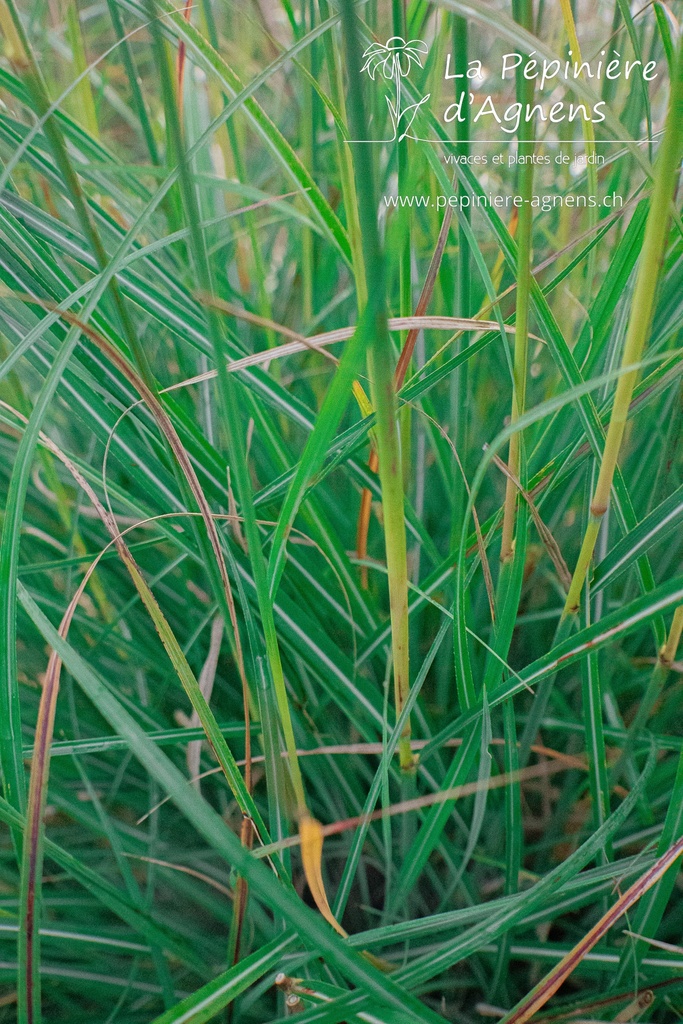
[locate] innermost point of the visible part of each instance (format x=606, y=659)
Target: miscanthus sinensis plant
x=340, y=565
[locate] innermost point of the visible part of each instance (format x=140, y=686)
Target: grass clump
x=302, y=710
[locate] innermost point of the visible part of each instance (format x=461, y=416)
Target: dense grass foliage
x=330, y=519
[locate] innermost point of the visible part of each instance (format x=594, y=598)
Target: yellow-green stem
x=654, y=243
x=391, y=481
x=668, y=652
x=83, y=97
x=13, y=47
x=380, y=372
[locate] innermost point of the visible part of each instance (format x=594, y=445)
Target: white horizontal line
x=462, y=142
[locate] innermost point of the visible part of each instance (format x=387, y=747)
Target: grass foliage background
x=177, y=197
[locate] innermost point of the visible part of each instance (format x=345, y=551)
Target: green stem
x=588, y=132
x=525, y=90
x=651, y=908
x=459, y=396
x=230, y=408
x=397, y=108
x=131, y=72
x=513, y=840
x=346, y=174
x=651, y=695
x=264, y=305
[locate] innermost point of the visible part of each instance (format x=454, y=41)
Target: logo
x=394, y=59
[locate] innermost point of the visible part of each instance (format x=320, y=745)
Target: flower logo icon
x=394, y=59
